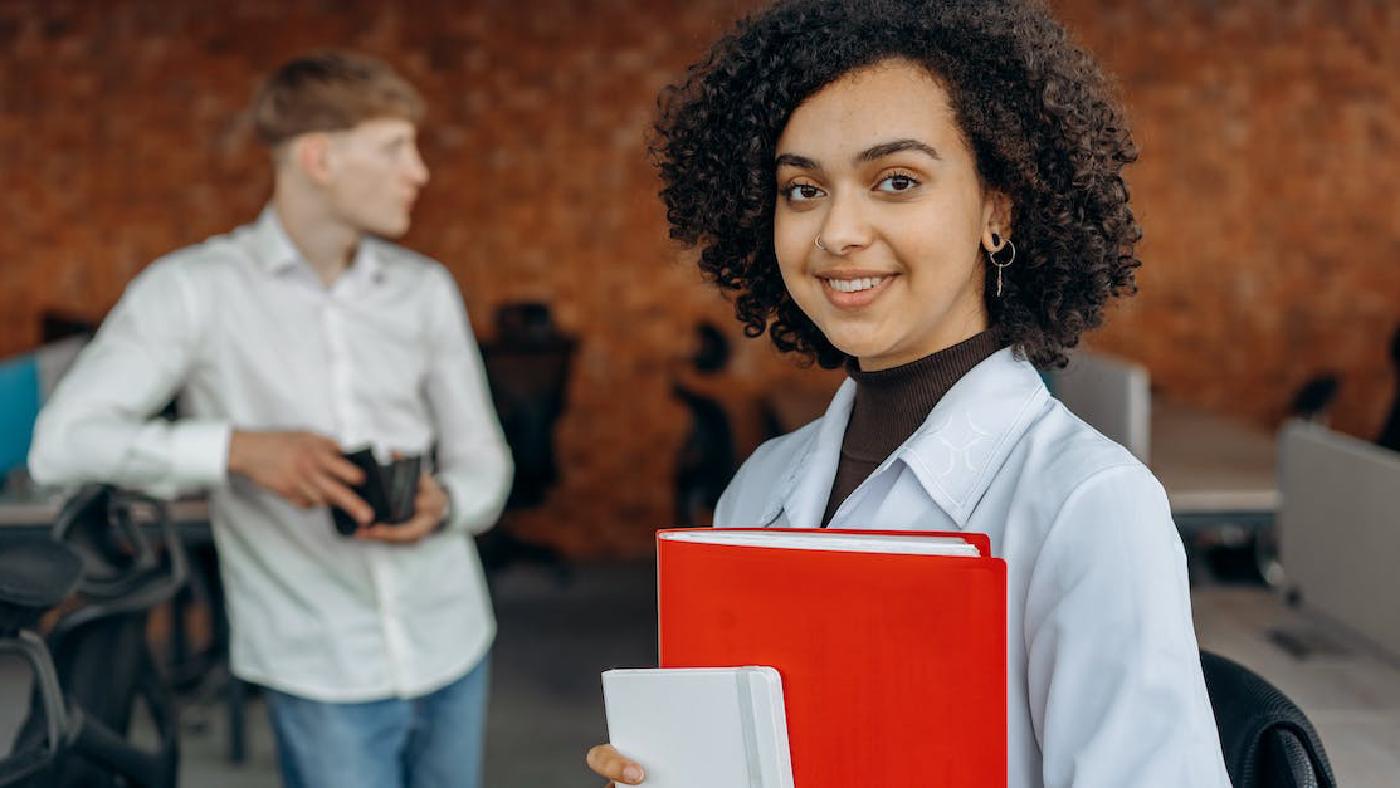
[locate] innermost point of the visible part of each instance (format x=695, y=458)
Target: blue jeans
x=432, y=741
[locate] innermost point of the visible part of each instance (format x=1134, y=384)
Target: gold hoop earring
x=999, y=265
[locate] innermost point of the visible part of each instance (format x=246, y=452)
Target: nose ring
x=819, y=244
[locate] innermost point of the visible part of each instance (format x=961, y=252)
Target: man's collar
x=274, y=251
x=272, y=247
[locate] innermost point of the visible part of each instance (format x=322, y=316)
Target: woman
x=930, y=193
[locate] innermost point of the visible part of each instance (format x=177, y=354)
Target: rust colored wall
x=1270, y=138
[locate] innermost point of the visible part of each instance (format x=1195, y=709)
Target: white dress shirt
x=1104, y=684
x=243, y=328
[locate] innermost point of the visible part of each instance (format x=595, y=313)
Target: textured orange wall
x=1270, y=138
x=1267, y=188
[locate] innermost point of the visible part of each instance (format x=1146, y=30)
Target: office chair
x=1313, y=400
x=707, y=457
x=706, y=460
x=1390, y=433
x=528, y=364
x=1266, y=739
x=95, y=667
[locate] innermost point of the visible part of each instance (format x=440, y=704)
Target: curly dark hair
x=1039, y=116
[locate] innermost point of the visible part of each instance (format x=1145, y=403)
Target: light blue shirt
x=1104, y=682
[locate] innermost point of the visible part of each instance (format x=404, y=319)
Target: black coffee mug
x=389, y=490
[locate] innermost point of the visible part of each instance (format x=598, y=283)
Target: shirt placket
x=349, y=429
x=395, y=637
x=353, y=430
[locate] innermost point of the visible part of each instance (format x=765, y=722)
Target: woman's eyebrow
x=896, y=146
x=794, y=160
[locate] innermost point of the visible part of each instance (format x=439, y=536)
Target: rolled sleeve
x=98, y=426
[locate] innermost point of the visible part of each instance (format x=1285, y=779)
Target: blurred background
x=1270, y=149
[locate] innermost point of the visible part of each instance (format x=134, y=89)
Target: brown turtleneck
x=891, y=403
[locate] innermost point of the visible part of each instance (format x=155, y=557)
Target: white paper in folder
x=701, y=727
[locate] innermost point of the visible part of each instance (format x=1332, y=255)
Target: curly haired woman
x=930, y=192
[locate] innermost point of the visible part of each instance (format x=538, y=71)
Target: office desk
x=1220, y=479
x=33, y=510
x=1217, y=471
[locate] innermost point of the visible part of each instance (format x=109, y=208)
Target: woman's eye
x=802, y=192
x=897, y=183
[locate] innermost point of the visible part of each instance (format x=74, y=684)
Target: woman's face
x=875, y=167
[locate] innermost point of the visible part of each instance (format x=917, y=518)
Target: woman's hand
x=609, y=763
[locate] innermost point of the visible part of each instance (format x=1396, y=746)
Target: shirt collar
x=954, y=454
x=274, y=251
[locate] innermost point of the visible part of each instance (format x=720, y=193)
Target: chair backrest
x=529, y=377
x=706, y=460
x=99, y=650
x=26, y=382
x=1338, y=530
x=1389, y=437
x=19, y=407
x=1265, y=738
x=1314, y=398
x=1112, y=395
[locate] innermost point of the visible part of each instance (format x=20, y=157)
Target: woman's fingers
x=609, y=763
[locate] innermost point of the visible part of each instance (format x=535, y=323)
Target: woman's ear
x=996, y=221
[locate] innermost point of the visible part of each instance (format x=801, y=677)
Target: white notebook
x=701, y=727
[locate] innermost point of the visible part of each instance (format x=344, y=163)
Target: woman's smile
x=854, y=290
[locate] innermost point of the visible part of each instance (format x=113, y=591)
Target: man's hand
x=429, y=507
x=302, y=467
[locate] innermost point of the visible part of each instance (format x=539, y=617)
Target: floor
x=556, y=637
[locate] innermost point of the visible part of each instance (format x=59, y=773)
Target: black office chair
x=1313, y=400
x=706, y=461
x=99, y=667
x=528, y=364
x=1390, y=433
x=35, y=575
x=1266, y=739
x=707, y=458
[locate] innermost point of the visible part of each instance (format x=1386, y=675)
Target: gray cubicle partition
x=1110, y=394
x=1339, y=529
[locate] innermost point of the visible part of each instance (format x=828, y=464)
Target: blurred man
x=294, y=339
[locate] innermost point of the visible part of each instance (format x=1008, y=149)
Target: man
x=294, y=339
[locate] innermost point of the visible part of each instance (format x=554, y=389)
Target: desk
x=1216, y=470
x=1220, y=479
x=33, y=510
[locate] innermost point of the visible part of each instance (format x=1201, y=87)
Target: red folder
x=893, y=666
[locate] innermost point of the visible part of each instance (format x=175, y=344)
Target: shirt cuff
x=474, y=510
x=199, y=452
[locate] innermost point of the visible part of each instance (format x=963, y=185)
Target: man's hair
x=330, y=91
